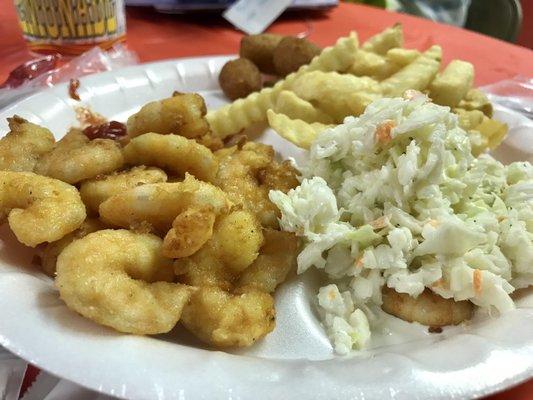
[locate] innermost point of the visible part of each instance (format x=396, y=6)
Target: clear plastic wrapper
x=41, y=73
x=516, y=94
x=12, y=371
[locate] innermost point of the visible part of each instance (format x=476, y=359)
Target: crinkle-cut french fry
x=449, y=87
x=372, y=65
x=296, y=131
x=468, y=119
x=236, y=116
x=294, y=107
x=338, y=95
x=493, y=130
x=476, y=100
x=386, y=40
x=402, y=56
x=416, y=75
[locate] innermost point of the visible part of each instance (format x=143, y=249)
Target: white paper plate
x=296, y=360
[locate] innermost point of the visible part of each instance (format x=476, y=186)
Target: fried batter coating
x=182, y=114
x=97, y=190
x=223, y=319
x=291, y=53
x=158, y=204
x=212, y=142
x=76, y=158
x=120, y=279
x=235, y=244
x=276, y=259
x=175, y=154
x=23, y=145
x=247, y=175
x=52, y=250
x=428, y=308
x=39, y=209
x=238, y=78
x=259, y=50
x=190, y=231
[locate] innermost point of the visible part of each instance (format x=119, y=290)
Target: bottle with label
x=71, y=27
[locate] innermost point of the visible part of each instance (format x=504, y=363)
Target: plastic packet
x=516, y=94
x=94, y=60
x=12, y=371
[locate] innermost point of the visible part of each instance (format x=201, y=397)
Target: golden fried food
x=291, y=53
x=238, y=78
x=156, y=205
x=276, y=259
x=39, y=209
x=248, y=174
x=212, y=142
x=97, y=190
x=259, y=49
x=182, y=114
x=190, y=230
x=338, y=95
x=224, y=319
x=76, y=158
x=53, y=249
x=175, y=154
x=428, y=308
x=234, y=245
x=120, y=279
x=23, y=145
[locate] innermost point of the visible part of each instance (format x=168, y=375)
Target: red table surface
x=157, y=36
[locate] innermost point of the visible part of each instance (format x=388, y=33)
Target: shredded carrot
x=477, y=281
x=383, y=131
x=433, y=222
x=381, y=222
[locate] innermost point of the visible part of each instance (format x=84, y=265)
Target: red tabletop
x=157, y=36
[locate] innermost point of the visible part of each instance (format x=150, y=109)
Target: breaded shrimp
x=235, y=244
x=158, y=204
x=248, y=174
x=23, y=145
x=39, y=209
x=76, y=158
x=182, y=114
x=175, y=154
x=276, y=259
x=226, y=320
x=52, y=250
x=95, y=191
x=119, y=279
x=428, y=308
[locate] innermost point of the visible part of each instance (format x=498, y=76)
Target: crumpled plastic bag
x=516, y=94
x=43, y=73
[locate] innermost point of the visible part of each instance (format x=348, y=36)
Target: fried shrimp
x=39, y=209
x=276, y=259
x=227, y=320
x=428, y=308
x=158, y=204
x=52, y=250
x=175, y=154
x=247, y=175
x=234, y=245
x=120, y=279
x=97, y=190
x=76, y=158
x=23, y=145
x=182, y=114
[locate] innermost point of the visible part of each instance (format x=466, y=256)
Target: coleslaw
x=394, y=197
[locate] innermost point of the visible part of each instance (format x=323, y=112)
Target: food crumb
x=73, y=86
x=435, y=329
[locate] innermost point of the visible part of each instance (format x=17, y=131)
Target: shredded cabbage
x=395, y=197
